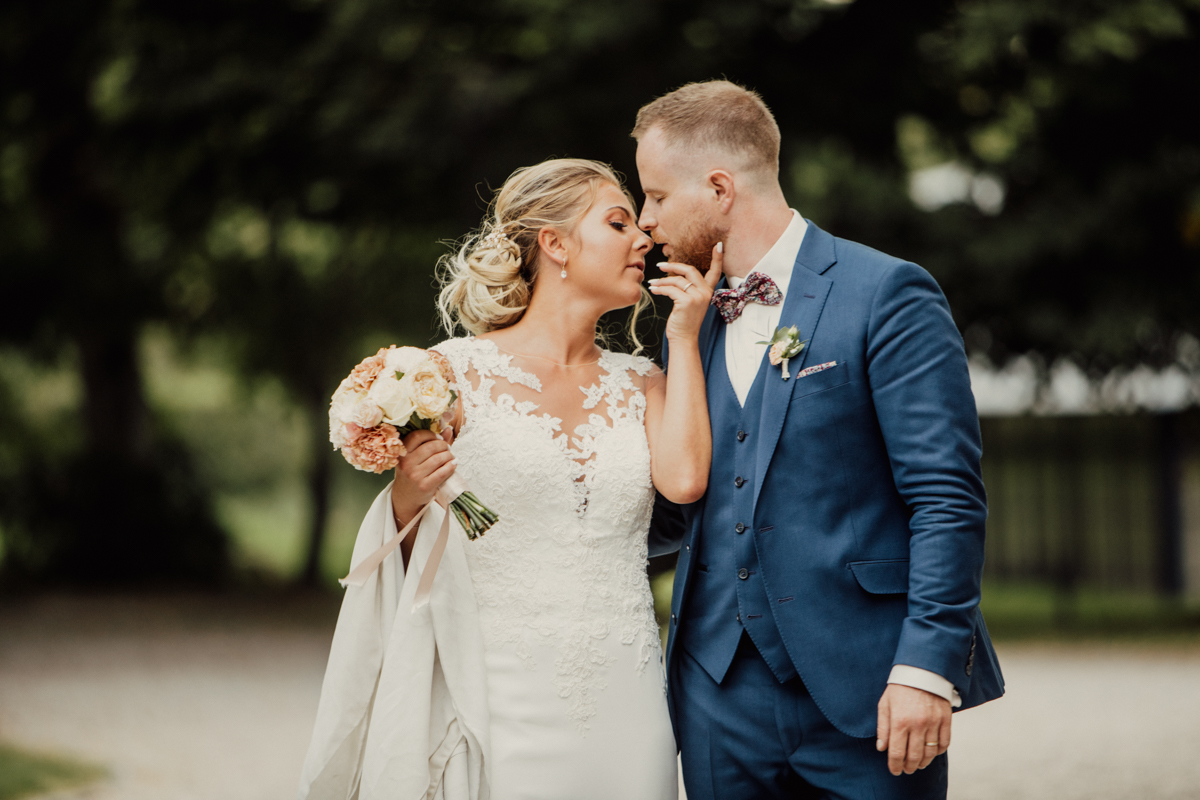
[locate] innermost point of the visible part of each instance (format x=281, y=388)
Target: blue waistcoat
x=728, y=595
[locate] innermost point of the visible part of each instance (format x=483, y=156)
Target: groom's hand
x=910, y=722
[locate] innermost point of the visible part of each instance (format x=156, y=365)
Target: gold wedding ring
x=690, y=285
x=931, y=744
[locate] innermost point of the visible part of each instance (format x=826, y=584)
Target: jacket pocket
x=821, y=381
x=882, y=577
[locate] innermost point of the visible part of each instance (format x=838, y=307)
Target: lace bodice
x=567, y=561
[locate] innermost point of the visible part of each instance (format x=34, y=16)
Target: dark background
x=209, y=211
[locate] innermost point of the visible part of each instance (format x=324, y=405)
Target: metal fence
x=1104, y=501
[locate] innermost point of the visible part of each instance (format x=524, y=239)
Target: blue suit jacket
x=869, y=505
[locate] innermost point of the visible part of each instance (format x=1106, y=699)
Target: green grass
x=23, y=774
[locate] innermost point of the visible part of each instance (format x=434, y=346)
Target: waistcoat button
x=738, y=481
x=741, y=436
x=743, y=573
x=740, y=527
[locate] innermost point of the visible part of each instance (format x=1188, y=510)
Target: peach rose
x=443, y=364
x=362, y=376
x=430, y=391
x=776, y=353
x=377, y=449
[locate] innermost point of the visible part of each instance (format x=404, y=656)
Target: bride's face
x=607, y=252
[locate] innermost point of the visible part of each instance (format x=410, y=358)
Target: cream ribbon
x=446, y=494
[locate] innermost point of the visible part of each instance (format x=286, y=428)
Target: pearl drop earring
x=563, y=274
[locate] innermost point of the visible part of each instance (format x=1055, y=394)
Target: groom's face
x=678, y=212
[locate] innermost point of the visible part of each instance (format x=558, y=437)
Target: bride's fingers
x=441, y=467
x=695, y=289
x=713, y=276
x=441, y=476
x=686, y=272
x=678, y=281
x=675, y=293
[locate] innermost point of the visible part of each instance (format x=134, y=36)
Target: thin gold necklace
x=552, y=361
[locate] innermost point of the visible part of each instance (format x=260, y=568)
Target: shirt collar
x=780, y=260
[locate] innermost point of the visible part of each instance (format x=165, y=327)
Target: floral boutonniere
x=785, y=345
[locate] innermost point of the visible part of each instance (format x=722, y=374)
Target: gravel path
x=194, y=699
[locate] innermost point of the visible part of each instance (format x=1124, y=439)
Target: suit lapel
x=802, y=307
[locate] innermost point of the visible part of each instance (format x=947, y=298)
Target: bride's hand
x=691, y=292
x=420, y=473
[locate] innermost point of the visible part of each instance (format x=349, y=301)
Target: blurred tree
x=279, y=172
x=125, y=507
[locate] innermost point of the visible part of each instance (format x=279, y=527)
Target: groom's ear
x=721, y=189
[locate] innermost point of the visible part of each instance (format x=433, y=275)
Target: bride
x=535, y=671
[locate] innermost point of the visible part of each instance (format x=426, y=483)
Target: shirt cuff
x=925, y=680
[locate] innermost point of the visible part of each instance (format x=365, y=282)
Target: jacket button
x=740, y=527
x=672, y=618
x=743, y=573
x=741, y=436
x=738, y=481
x=687, y=547
x=739, y=617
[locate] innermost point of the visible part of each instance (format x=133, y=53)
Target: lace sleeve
x=458, y=353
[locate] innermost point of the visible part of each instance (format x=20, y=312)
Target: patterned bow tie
x=757, y=288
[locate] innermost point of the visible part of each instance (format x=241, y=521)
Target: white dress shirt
x=743, y=357
x=743, y=353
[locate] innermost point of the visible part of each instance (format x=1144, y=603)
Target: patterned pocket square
x=804, y=373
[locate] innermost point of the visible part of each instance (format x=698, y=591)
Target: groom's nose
x=647, y=222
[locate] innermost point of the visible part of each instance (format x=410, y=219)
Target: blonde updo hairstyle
x=488, y=281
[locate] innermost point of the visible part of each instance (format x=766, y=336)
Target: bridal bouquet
x=388, y=396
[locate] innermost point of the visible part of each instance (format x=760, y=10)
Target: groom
x=825, y=614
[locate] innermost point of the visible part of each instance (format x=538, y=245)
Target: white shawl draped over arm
x=403, y=712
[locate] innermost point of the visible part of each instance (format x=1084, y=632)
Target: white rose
x=337, y=434
x=366, y=414
x=431, y=393
x=343, y=402
x=393, y=398
x=405, y=359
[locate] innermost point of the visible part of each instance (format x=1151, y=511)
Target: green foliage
x=278, y=174
x=1020, y=611
x=24, y=774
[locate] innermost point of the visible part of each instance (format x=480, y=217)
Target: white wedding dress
x=574, y=676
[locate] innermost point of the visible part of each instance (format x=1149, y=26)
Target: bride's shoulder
x=460, y=351
x=640, y=366
x=471, y=355
x=456, y=346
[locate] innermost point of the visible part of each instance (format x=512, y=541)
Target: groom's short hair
x=715, y=115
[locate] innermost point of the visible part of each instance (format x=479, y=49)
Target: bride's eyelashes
x=620, y=226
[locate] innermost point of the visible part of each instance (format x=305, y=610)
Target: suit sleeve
x=917, y=369
x=666, y=527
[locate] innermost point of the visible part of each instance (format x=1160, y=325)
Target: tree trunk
x=115, y=415
x=319, y=479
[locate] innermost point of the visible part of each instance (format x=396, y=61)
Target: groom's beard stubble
x=695, y=246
